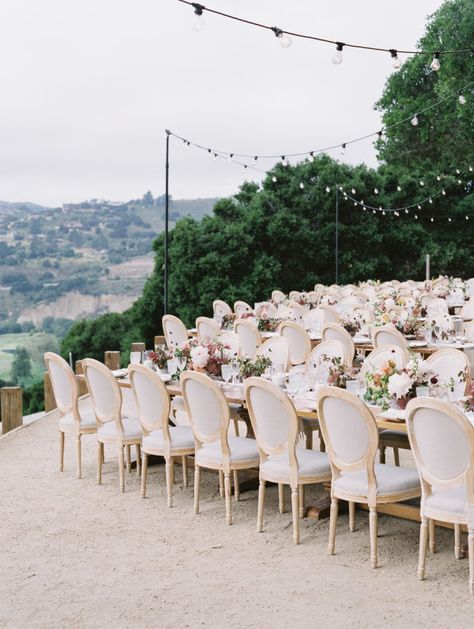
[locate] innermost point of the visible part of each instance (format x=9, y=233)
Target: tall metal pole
x=337, y=234
x=167, y=199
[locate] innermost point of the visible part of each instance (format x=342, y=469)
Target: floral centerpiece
x=160, y=357
x=376, y=381
x=207, y=356
x=402, y=385
x=268, y=324
x=411, y=326
x=351, y=324
x=468, y=401
x=228, y=321
x=338, y=372
x=255, y=367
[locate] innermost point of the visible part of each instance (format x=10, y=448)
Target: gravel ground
x=73, y=554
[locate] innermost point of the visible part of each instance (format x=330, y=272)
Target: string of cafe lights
x=285, y=39
x=237, y=158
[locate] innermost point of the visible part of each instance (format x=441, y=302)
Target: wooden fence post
x=112, y=360
x=137, y=347
x=11, y=406
x=49, y=399
x=83, y=390
x=159, y=340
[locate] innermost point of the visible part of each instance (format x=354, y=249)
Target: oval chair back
x=389, y=335
x=350, y=434
x=174, y=330
x=105, y=393
x=233, y=341
x=207, y=328
x=277, y=350
x=331, y=349
x=64, y=383
x=330, y=314
x=313, y=320
x=335, y=332
x=299, y=342
x=250, y=338
x=453, y=367
x=278, y=297
x=207, y=409
x=152, y=400
x=383, y=354
x=241, y=307
x=221, y=308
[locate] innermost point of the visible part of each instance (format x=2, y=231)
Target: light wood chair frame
x=168, y=452
x=266, y=347
x=348, y=340
x=250, y=326
x=116, y=416
x=391, y=329
x=211, y=323
x=296, y=483
x=221, y=435
x=366, y=462
x=221, y=307
x=170, y=342
x=304, y=334
x=429, y=514
x=73, y=408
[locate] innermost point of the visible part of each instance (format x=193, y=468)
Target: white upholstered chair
x=221, y=308
x=335, y=332
x=351, y=436
x=114, y=429
x=313, y=320
x=330, y=314
x=174, y=330
x=276, y=349
x=452, y=365
x=278, y=297
x=207, y=328
x=159, y=438
x=389, y=335
x=232, y=340
x=71, y=420
x=249, y=336
x=275, y=424
x=382, y=355
x=299, y=342
x=242, y=307
x=442, y=441
x=209, y=415
x=331, y=349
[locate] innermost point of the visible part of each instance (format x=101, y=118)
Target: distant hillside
x=82, y=248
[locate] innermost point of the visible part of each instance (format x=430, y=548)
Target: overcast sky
x=88, y=87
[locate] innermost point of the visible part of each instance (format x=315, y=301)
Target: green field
x=35, y=343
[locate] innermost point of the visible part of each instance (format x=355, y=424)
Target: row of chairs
x=441, y=437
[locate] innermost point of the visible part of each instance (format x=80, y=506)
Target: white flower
x=199, y=357
x=399, y=385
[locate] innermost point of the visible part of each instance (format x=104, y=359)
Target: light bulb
x=328, y=189
x=431, y=200
x=399, y=188
x=214, y=157
x=310, y=157
x=396, y=62
x=245, y=166
x=435, y=64
x=449, y=220
x=373, y=211
x=432, y=219
x=353, y=191
x=467, y=218
x=301, y=185
x=343, y=149
x=355, y=202
x=406, y=211
x=422, y=183
x=462, y=99
x=470, y=169
x=285, y=40
x=376, y=190
x=383, y=212
x=337, y=59
x=396, y=214
x=458, y=172
x=414, y=120
x=438, y=178
x=416, y=216
x=419, y=206
x=443, y=192
x=284, y=161
x=459, y=181
x=274, y=179
x=198, y=24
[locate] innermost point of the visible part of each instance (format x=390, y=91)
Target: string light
x=328, y=189
x=301, y=185
x=199, y=23
x=285, y=39
x=311, y=157
x=396, y=62
x=435, y=64
x=337, y=58
x=274, y=179
x=399, y=188
x=414, y=120
x=339, y=45
x=344, y=149
x=461, y=99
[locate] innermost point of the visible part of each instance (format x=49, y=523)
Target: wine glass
x=437, y=332
x=227, y=372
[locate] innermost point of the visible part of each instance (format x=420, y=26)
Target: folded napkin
x=119, y=373
x=396, y=414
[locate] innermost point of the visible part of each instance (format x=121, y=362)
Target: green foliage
x=21, y=366
x=33, y=398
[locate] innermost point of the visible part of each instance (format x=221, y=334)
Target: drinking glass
x=172, y=365
x=352, y=386
x=437, y=332
x=227, y=372
x=422, y=391
x=135, y=358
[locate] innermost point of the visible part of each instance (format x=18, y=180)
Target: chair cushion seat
x=311, y=463
x=241, y=449
x=390, y=480
x=131, y=430
x=88, y=420
x=452, y=500
x=181, y=437
x=395, y=436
